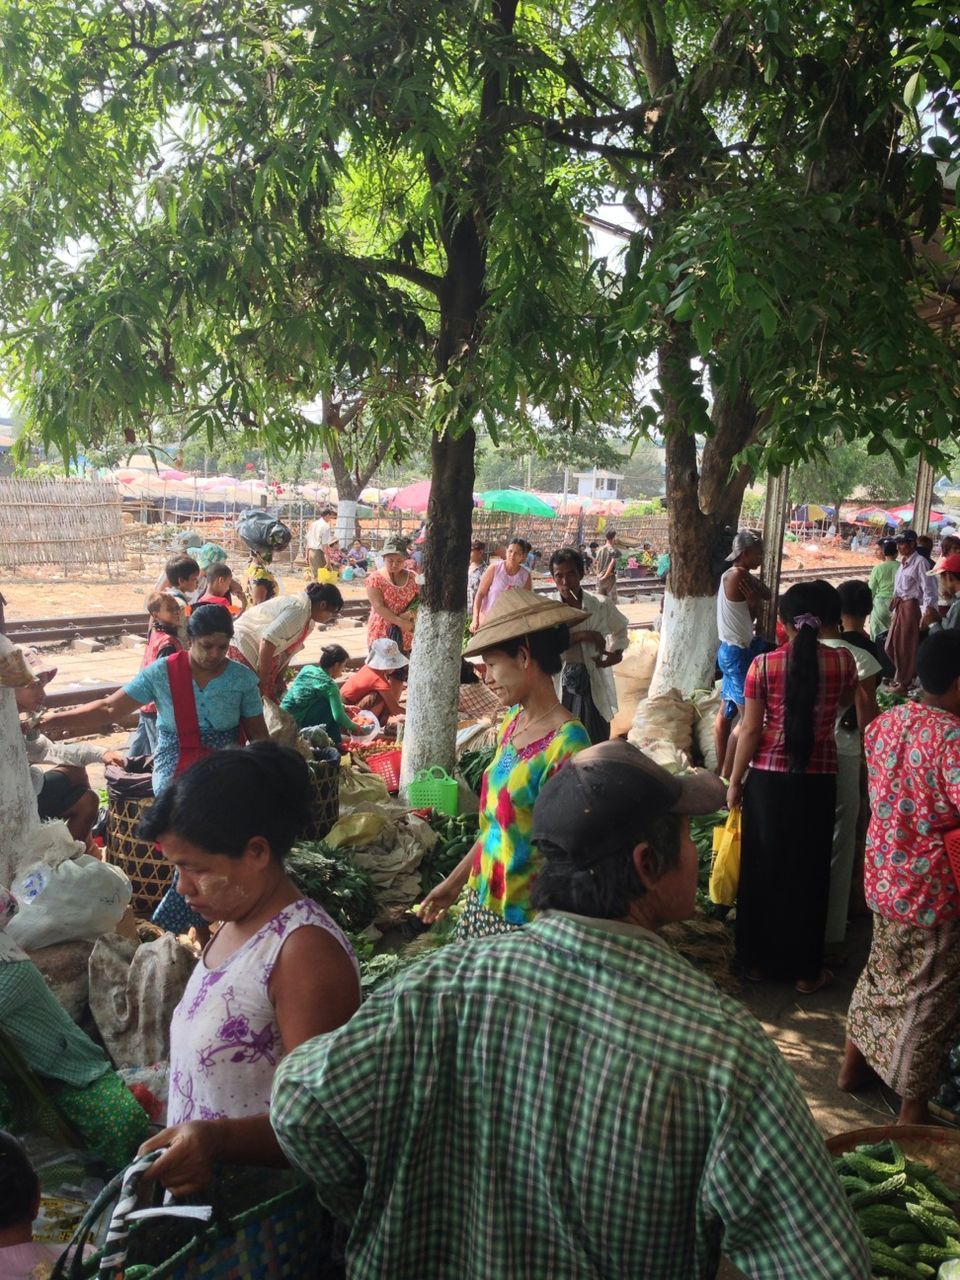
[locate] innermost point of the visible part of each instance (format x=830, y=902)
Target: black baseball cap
x=603, y=798
x=908, y=535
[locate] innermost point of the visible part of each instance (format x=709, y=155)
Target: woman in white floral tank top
x=277, y=972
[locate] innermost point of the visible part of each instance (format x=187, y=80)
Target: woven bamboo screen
x=59, y=522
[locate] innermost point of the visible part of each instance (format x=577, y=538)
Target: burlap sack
x=667, y=718
x=707, y=703
x=632, y=676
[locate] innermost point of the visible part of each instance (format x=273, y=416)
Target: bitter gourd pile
x=904, y=1210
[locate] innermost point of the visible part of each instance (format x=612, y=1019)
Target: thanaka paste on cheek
x=220, y=891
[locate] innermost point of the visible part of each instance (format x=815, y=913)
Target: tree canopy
x=215, y=213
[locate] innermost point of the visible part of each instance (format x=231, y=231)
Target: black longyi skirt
x=786, y=842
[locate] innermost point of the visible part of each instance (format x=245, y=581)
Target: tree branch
x=416, y=275
x=557, y=131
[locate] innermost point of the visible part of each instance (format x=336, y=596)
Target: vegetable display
x=330, y=877
x=457, y=838
x=701, y=833
x=887, y=699
x=903, y=1208
x=472, y=765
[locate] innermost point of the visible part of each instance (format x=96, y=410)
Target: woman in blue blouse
x=226, y=700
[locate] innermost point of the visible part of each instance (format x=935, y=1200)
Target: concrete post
x=774, y=526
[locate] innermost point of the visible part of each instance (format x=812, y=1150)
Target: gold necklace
x=527, y=726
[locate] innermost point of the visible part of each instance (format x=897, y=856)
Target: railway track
x=109, y=626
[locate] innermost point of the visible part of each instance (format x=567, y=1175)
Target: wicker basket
x=283, y=1236
x=325, y=798
x=149, y=872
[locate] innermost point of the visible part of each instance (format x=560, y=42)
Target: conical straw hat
x=519, y=613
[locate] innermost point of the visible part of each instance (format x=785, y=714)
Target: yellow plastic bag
x=356, y=829
x=327, y=575
x=725, y=871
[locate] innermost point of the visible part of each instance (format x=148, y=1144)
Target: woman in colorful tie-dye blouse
x=521, y=643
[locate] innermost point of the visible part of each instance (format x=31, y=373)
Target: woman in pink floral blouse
x=903, y=1013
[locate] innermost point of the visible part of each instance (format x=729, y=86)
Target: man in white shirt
x=320, y=535
x=586, y=683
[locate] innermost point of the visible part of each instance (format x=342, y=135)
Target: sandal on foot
x=826, y=977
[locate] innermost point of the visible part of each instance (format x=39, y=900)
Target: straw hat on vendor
x=521, y=641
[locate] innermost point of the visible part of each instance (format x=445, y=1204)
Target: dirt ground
x=40, y=594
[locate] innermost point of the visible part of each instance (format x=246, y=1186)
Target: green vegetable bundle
x=331, y=877
x=887, y=699
x=457, y=837
x=903, y=1208
x=701, y=833
x=472, y=765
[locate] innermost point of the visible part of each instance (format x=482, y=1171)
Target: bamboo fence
x=60, y=522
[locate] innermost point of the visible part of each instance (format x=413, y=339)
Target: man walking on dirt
x=605, y=567
x=738, y=602
x=319, y=537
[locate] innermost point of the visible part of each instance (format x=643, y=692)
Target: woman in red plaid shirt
x=787, y=740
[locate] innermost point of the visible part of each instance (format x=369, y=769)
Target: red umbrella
x=415, y=497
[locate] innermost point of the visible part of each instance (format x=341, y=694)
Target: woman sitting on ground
x=522, y=644
x=378, y=685
x=204, y=701
x=278, y=971
x=314, y=697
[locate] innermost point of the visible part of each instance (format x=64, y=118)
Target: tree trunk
x=350, y=481
x=434, y=687
x=703, y=506
x=18, y=803
x=432, y=694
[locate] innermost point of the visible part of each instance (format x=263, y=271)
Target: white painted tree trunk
x=431, y=727
x=688, y=645
x=18, y=803
x=346, y=523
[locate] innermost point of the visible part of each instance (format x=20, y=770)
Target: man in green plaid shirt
x=571, y=1099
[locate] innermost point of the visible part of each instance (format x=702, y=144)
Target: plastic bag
x=80, y=898
x=357, y=787
x=725, y=871
x=259, y=529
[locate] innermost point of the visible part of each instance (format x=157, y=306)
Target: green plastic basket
x=434, y=789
